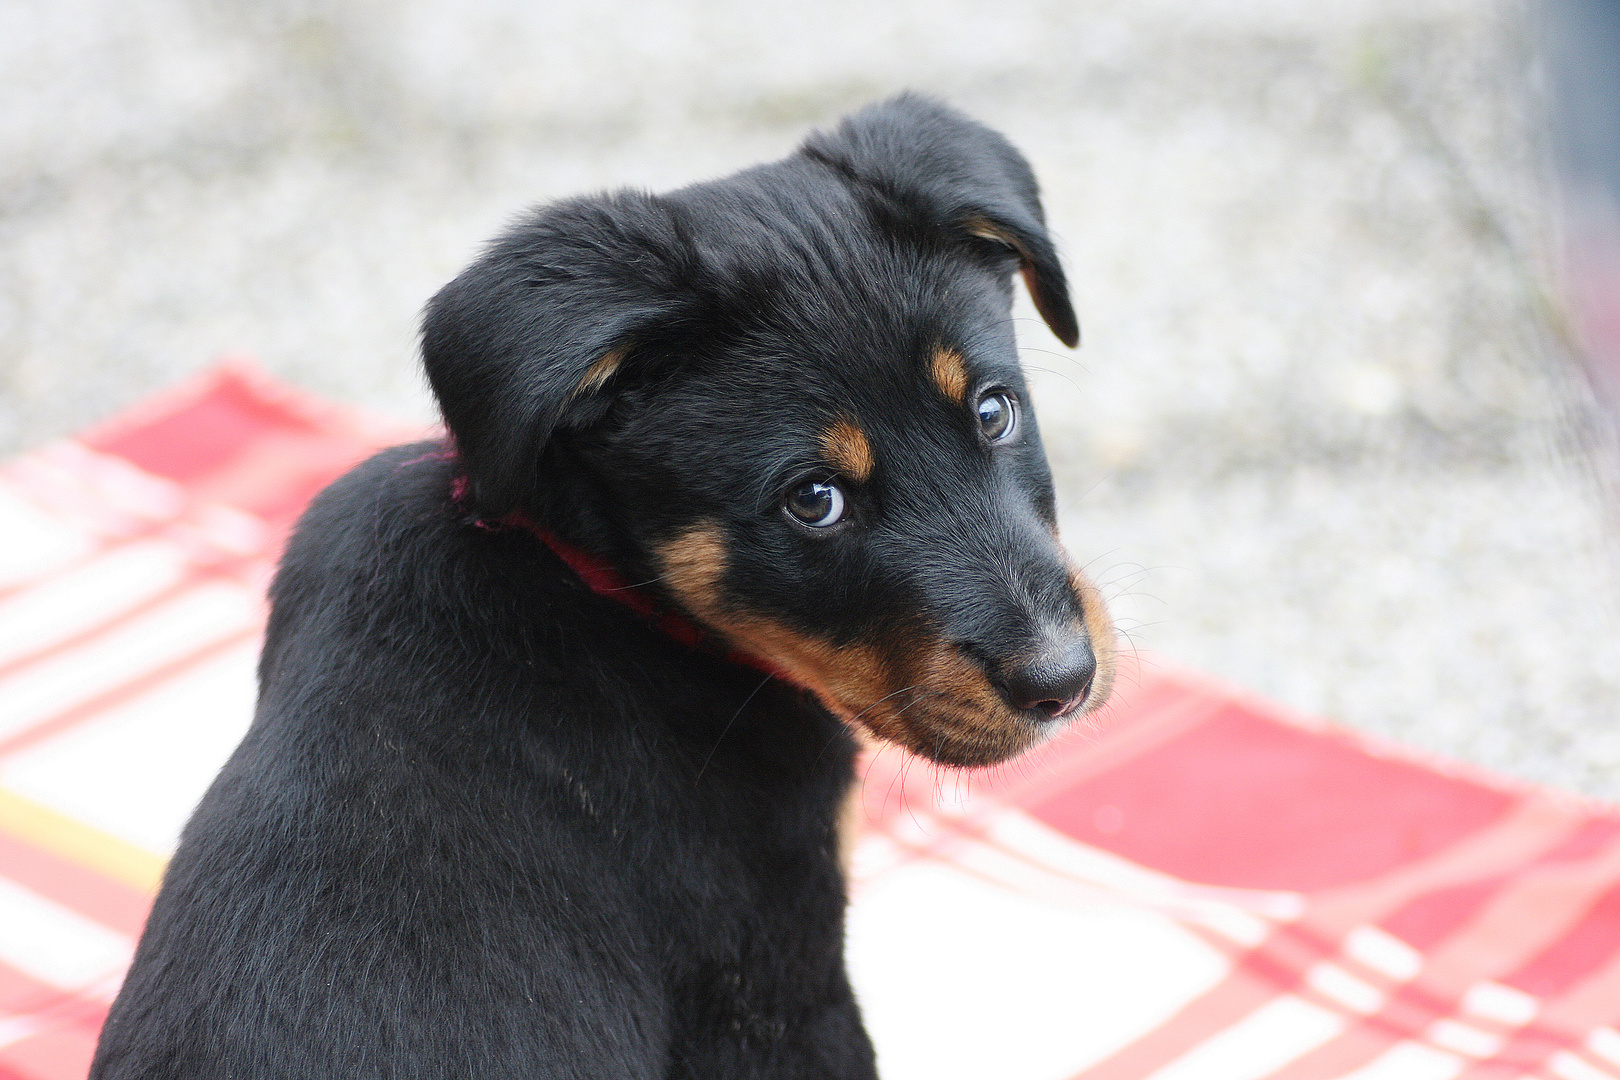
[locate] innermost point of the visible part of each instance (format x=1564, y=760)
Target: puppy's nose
x=1054, y=681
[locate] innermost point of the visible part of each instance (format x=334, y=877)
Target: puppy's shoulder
x=394, y=529
x=387, y=568
x=400, y=498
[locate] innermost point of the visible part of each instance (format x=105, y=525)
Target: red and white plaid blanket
x=1203, y=887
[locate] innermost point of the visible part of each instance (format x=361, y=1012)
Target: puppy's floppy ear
x=914, y=150
x=525, y=340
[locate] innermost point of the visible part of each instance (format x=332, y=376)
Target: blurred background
x=1328, y=437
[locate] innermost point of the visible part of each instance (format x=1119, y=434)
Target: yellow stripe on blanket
x=74, y=840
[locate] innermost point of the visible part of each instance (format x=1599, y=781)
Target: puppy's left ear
x=913, y=152
x=526, y=340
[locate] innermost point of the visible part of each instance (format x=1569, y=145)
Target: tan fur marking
x=1103, y=645
x=846, y=447
x=600, y=372
x=694, y=563
x=846, y=678
x=1100, y=629
x=950, y=374
x=843, y=676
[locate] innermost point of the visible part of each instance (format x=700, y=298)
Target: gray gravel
x=1324, y=438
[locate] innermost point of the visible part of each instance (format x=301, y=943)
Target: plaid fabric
x=1203, y=887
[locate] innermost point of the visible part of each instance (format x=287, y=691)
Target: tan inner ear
x=600, y=372
x=847, y=447
x=985, y=229
x=1044, y=309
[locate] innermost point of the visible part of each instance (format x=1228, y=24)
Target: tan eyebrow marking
x=600, y=372
x=950, y=374
x=846, y=446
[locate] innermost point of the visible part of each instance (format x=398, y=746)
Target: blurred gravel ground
x=1324, y=438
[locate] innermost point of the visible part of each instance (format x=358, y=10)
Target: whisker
x=727, y=729
x=636, y=585
x=881, y=700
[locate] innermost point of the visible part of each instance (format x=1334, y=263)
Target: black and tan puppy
x=555, y=720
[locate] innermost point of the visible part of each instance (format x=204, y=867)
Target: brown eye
x=998, y=415
x=816, y=503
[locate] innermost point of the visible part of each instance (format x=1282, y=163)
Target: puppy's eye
x=816, y=503
x=998, y=415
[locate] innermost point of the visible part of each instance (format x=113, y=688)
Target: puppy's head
x=793, y=398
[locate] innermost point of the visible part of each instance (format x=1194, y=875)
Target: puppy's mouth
x=955, y=732
x=914, y=689
x=947, y=709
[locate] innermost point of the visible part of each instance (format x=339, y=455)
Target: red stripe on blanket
x=1247, y=802
x=110, y=903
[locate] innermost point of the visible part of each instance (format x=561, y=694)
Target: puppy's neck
x=605, y=580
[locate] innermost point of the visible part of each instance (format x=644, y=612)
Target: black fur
x=488, y=823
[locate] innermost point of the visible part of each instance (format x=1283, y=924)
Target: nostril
x=1053, y=682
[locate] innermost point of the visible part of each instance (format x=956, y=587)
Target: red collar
x=604, y=580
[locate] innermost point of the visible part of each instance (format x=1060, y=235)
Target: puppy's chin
x=950, y=735
x=963, y=732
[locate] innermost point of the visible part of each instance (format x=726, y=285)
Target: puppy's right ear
x=526, y=340
x=921, y=153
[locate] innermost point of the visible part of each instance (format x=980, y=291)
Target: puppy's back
x=356, y=867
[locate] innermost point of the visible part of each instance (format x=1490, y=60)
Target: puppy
x=556, y=718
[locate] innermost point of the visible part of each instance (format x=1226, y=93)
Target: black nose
x=1052, y=682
